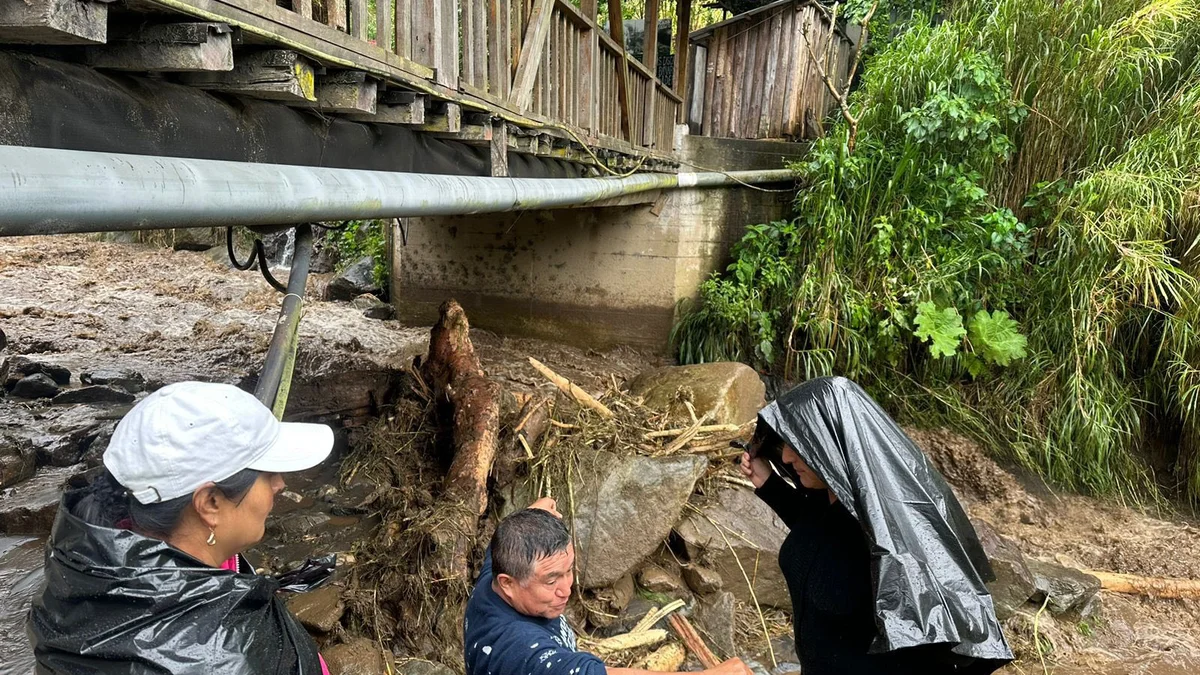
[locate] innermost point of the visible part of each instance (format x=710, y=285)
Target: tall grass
x=1011, y=249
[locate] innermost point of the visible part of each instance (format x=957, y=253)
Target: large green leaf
x=942, y=327
x=996, y=337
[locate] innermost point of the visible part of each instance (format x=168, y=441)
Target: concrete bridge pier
x=595, y=276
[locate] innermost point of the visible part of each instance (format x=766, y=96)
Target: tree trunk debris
x=1155, y=587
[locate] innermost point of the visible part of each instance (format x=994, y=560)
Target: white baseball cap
x=191, y=433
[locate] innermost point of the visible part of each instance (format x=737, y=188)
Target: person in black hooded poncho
x=885, y=571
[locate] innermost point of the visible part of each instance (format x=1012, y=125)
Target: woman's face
x=246, y=521
x=808, y=477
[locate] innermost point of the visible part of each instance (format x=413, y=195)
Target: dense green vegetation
x=1010, y=247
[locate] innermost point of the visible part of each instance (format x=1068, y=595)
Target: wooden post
x=335, y=13
x=358, y=19
x=617, y=29
x=303, y=8
x=650, y=39
x=683, y=28
x=383, y=24
x=404, y=10
x=499, y=48
x=531, y=53
x=499, y=148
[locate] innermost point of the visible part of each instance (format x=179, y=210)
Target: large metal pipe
x=47, y=191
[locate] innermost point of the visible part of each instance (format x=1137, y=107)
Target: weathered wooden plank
x=683, y=23
x=442, y=118
x=424, y=32
x=335, y=14
x=499, y=149
x=710, y=81
x=498, y=47
x=787, y=61
x=588, y=86
x=447, y=68
x=404, y=35
x=532, y=51
x=170, y=47
x=649, y=106
x=358, y=19
x=467, y=9
x=479, y=46
x=774, y=56
x=384, y=30
x=471, y=134
x=617, y=29
x=395, y=107
x=650, y=38
x=346, y=91
x=697, y=86
x=303, y=7
x=757, y=81
x=53, y=22
x=588, y=9
x=274, y=74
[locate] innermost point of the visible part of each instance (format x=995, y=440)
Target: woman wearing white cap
x=144, y=572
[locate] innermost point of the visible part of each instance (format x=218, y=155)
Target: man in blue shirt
x=514, y=622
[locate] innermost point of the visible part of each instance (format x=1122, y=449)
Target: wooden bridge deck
x=540, y=77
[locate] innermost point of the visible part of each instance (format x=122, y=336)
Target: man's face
x=546, y=591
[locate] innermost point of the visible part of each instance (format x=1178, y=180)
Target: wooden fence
x=754, y=76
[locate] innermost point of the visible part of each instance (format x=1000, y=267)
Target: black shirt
x=827, y=565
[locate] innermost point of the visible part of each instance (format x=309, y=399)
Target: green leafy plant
x=943, y=328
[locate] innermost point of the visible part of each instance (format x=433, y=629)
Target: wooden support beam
x=273, y=74
x=346, y=91
x=395, y=107
x=499, y=148
x=303, y=7
x=650, y=39
x=335, y=14
x=53, y=22
x=442, y=118
x=384, y=32
x=617, y=28
x=404, y=30
x=471, y=134
x=683, y=23
x=168, y=47
x=532, y=50
x=499, y=76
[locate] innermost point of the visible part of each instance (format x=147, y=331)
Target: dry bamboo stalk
x=695, y=644
x=569, y=388
x=1157, y=587
x=707, y=429
x=630, y=640
x=657, y=614
x=686, y=437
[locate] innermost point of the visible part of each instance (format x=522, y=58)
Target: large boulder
x=714, y=616
x=353, y=281
x=1068, y=590
x=63, y=441
x=1014, y=583
x=732, y=392
x=625, y=509
x=17, y=459
x=21, y=366
x=37, y=385
x=738, y=526
x=30, y=507
x=318, y=610
x=359, y=656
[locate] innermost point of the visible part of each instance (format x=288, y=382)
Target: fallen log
x=571, y=389
x=1156, y=587
x=472, y=403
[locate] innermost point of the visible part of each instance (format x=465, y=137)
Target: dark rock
x=129, y=380
x=372, y=307
x=657, y=580
x=196, y=238
x=318, y=610
x=67, y=436
x=37, y=385
x=701, y=579
x=3, y=342
x=760, y=534
x=359, y=656
x=354, y=281
x=299, y=523
x=784, y=648
x=732, y=392
x=1014, y=583
x=634, y=612
x=93, y=394
x=17, y=460
x=714, y=617
x=20, y=366
x=626, y=510
x=30, y=507
x=95, y=450
x=1068, y=589
x=422, y=667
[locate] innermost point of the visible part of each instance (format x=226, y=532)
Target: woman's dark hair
x=109, y=503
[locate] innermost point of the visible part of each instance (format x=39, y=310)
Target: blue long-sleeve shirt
x=499, y=640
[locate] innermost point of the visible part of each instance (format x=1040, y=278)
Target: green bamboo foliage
x=1011, y=248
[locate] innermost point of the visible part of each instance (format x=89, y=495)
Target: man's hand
x=731, y=667
x=547, y=504
x=755, y=469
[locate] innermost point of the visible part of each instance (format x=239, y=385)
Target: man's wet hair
x=524, y=538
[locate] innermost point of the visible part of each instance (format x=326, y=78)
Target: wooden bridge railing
x=547, y=59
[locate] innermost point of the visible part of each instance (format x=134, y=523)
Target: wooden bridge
x=535, y=77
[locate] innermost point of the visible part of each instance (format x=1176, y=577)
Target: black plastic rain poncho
x=927, y=564
x=116, y=601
